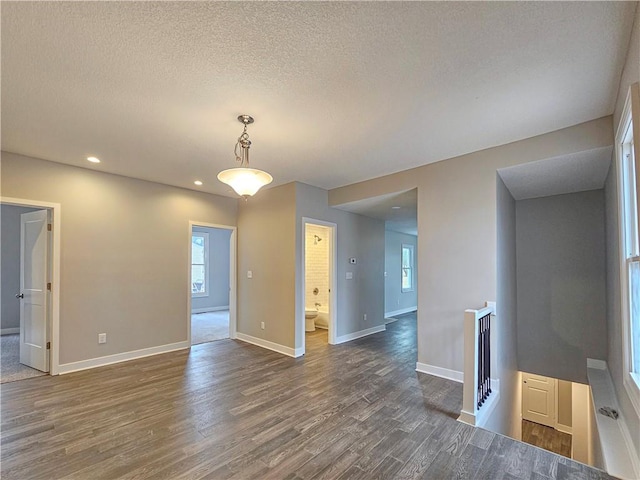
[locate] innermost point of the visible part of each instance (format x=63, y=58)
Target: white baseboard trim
x=9, y=331
x=564, y=428
x=276, y=347
x=401, y=311
x=209, y=309
x=362, y=333
x=440, y=372
x=120, y=357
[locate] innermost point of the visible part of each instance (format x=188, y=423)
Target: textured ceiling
x=341, y=91
x=578, y=172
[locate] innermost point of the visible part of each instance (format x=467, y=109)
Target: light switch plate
x=349, y=275
x=249, y=274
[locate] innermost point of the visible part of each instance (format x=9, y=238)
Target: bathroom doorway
x=319, y=279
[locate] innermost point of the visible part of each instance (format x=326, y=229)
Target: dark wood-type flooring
x=547, y=438
x=228, y=409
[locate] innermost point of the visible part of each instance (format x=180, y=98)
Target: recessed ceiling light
x=198, y=182
x=93, y=159
x=396, y=208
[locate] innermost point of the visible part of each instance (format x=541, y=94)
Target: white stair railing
x=478, y=390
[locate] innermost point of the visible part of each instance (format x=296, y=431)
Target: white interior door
x=33, y=290
x=539, y=399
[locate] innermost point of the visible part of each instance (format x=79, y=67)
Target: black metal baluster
x=479, y=392
x=484, y=359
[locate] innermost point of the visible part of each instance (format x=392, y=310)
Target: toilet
x=309, y=319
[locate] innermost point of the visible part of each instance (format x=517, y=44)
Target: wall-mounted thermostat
x=352, y=260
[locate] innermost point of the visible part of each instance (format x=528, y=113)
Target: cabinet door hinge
x=48, y=227
x=49, y=286
x=48, y=345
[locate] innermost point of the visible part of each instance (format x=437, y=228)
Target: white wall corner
x=441, y=372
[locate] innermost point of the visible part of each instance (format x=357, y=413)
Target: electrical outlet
x=262, y=325
x=349, y=276
x=365, y=317
x=102, y=338
x=249, y=274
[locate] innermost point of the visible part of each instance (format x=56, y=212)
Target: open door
x=33, y=290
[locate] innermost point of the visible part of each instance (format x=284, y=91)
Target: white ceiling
x=403, y=219
x=341, y=91
x=577, y=172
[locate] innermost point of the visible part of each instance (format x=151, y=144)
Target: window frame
x=205, y=265
x=628, y=245
x=411, y=267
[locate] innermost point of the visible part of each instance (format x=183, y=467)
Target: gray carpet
x=10, y=367
x=206, y=327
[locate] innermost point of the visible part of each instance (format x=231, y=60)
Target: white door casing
x=33, y=290
x=539, y=399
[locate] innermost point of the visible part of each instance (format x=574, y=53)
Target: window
x=199, y=267
x=629, y=251
x=407, y=268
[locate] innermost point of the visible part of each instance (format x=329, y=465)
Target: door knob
x=19, y=295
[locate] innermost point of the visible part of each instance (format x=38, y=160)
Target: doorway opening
x=547, y=413
x=30, y=294
x=319, y=279
x=211, y=291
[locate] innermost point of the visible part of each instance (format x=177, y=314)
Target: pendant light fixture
x=244, y=180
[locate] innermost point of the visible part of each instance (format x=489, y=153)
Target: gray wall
x=124, y=253
x=561, y=284
x=10, y=264
x=394, y=298
x=506, y=417
x=266, y=246
x=219, y=259
x=358, y=236
x=270, y=244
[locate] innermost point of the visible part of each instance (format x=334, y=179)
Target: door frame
x=333, y=280
x=232, y=277
x=53, y=314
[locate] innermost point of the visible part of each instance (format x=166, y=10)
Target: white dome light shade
x=245, y=181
